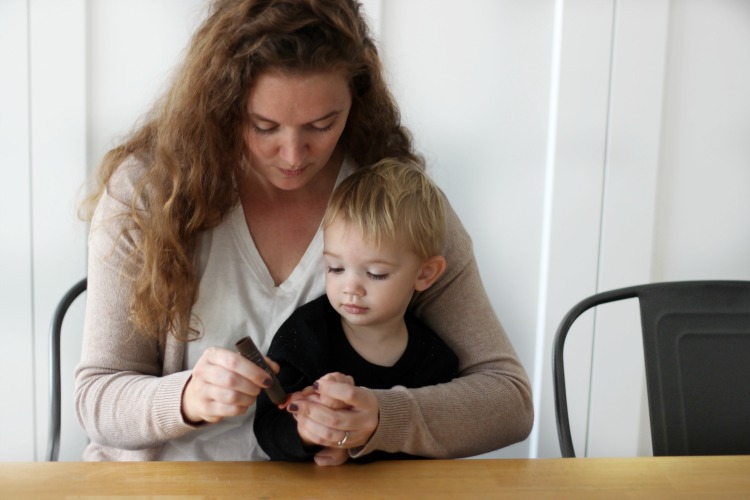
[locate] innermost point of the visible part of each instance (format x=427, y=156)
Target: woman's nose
x=293, y=149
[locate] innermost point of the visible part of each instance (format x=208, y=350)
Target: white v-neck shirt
x=237, y=297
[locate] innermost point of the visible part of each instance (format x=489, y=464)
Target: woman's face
x=294, y=124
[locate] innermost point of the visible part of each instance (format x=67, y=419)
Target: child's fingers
x=338, y=377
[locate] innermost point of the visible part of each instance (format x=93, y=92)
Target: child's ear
x=431, y=270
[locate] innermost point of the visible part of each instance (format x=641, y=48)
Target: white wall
x=16, y=367
x=43, y=163
x=75, y=77
x=703, y=204
x=586, y=144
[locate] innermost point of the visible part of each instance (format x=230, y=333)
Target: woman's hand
x=338, y=412
x=332, y=456
x=223, y=384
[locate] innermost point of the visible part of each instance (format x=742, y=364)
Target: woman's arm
x=131, y=390
x=489, y=406
x=122, y=399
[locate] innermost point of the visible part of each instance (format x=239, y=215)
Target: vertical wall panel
x=373, y=10
x=628, y=215
x=574, y=209
x=58, y=172
x=473, y=88
x=703, y=194
x=127, y=73
x=16, y=312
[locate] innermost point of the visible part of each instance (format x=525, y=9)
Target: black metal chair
x=696, y=344
x=53, y=438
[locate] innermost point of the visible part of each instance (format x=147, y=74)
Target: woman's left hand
x=348, y=426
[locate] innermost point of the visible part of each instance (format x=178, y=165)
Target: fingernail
x=267, y=382
x=316, y=385
x=293, y=407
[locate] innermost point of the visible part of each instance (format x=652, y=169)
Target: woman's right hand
x=223, y=384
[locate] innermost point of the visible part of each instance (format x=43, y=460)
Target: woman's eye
x=327, y=128
x=377, y=276
x=263, y=131
x=335, y=270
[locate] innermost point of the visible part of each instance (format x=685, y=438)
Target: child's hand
x=331, y=456
x=310, y=393
x=334, y=377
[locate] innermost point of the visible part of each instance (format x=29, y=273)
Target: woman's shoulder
x=113, y=237
x=458, y=248
x=124, y=182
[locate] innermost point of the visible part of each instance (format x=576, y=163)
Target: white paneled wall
x=134, y=47
x=703, y=202
x=57, y=90
x=75, y=77
x=474, y=88
x=586, y=145
x=16, y=331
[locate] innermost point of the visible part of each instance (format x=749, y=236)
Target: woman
x=207, y=229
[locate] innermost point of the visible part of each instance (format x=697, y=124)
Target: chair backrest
x=696, y=342
x=53, y=438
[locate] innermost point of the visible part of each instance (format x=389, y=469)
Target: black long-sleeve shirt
x=312, y=343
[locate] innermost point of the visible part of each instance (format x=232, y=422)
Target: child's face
x=368, y=285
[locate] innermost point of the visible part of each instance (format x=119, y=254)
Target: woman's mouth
x=292, y=172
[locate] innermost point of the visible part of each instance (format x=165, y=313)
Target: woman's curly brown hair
x=192, y=146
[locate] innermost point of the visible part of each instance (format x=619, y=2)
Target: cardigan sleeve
x=489, y=405
x=125, y=398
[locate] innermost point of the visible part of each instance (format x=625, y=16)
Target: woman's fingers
x=294, y=396
x=327, y=426
x=272, y=364
x=223, y=384
x=312, y=431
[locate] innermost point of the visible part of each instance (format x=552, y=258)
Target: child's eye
x=377, y=276
x=334, y=270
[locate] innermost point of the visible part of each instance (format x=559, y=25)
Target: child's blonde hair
x=392, y=199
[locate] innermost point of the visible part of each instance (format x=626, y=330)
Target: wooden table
x=665, y=477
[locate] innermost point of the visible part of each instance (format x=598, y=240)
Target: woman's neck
x=283, y=223
x=257, y=191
